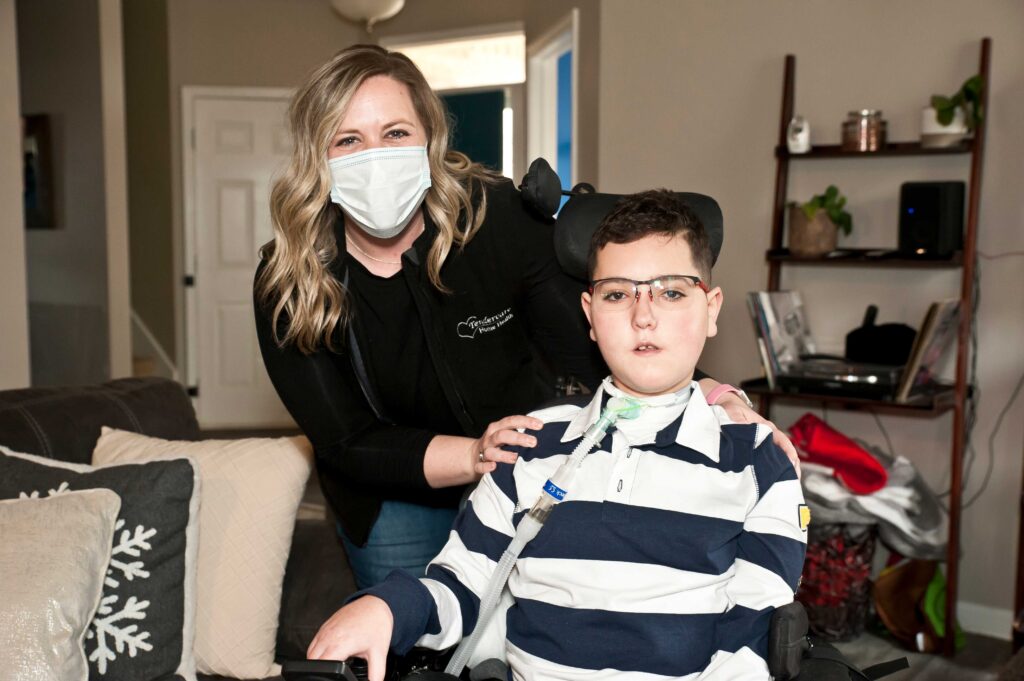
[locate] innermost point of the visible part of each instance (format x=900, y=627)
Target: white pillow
x=250, y=494
x=54, y=554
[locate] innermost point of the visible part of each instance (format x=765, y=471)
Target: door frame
x=541, y=67
x=15, y=366
x=115, y=188
x=188, y=351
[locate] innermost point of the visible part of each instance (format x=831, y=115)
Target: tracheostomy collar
x=659, y=411
x=381, y=189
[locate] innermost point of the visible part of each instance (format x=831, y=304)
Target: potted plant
x=814, y=226
x=951, y=119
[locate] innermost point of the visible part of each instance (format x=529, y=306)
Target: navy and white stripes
x=665, y=560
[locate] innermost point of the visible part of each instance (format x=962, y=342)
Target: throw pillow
x=54, y=554
x=251, y=494
x=144, y=626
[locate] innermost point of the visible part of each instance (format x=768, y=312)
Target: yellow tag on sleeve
x=804, y=514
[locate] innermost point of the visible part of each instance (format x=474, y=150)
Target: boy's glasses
x=667, y=292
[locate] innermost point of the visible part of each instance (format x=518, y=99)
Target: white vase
x=936, y=135
x=798, y=135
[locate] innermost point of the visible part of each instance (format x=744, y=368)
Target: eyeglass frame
x=650, y=285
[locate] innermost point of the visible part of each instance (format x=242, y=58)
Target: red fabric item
x=854, y=467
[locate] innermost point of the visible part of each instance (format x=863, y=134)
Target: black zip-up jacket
x=510, y=304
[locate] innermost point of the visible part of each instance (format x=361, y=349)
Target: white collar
x=698, y=429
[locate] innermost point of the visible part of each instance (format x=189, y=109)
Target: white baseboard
x=984, y=619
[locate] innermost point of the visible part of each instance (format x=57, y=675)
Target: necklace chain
x=352, y=243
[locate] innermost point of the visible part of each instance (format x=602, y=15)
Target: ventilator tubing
x=554, y=491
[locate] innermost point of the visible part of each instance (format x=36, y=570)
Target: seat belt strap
x=883, y=669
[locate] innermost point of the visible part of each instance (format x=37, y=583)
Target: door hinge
x=193, y=391
x=189, y=280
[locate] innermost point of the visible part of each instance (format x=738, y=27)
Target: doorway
x=71, y=94
x=477, y=123
x=235, y=140
x=479, y=74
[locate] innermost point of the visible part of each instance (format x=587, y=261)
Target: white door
x=237, y=146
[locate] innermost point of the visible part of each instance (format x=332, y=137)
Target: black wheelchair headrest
x=585, y=209
x=582, y=213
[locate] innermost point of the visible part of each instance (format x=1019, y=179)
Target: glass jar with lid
x=864, y=130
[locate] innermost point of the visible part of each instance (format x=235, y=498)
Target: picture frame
x=37, y=172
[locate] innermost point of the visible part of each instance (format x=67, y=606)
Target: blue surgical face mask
x=381, y=189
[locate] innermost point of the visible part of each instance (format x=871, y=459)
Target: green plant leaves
x=968, y=98
x=832, y=202
x=844, y=222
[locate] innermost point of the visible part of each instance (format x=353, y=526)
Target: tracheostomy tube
x=555, y=489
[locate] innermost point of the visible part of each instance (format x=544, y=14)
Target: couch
x=64, y=423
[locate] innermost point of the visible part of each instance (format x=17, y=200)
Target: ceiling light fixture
x=367, y=11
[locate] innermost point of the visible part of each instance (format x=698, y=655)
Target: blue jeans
x=404, y=536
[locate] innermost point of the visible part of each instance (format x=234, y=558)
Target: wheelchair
x=793, y=655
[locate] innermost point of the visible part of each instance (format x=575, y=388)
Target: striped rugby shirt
x=680, y=535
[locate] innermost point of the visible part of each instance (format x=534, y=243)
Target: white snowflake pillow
x=251, y=493
x=144, y=627
x=54, y=554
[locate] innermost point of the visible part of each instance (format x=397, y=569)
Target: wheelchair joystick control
x=324, y=670
x=417, y=665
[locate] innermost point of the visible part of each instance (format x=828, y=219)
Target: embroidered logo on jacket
x=474, y=325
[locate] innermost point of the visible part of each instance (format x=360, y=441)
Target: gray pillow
x=145, y=624
x=54, y=554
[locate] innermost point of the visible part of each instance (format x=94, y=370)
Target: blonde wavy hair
x=296, y=281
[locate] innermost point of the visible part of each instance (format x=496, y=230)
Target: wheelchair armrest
x=787, y=641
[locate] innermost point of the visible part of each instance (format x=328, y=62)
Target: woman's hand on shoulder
x=360, y=629
x=488, y=451
x=457, y=460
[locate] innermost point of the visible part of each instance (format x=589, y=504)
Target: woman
x=409, y=303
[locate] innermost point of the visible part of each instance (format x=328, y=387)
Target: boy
x=679, y=536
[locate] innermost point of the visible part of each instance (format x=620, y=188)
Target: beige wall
x=697, y=109
x=14, y=359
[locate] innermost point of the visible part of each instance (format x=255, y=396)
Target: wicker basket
x=835, y=587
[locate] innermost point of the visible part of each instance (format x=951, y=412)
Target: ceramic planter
x=811, y=238
x=936, y=135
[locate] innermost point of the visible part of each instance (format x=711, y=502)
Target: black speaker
x=931, y=219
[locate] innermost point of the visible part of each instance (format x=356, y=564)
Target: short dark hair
x=656, y=211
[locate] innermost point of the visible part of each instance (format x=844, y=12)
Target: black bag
x=872, y=343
